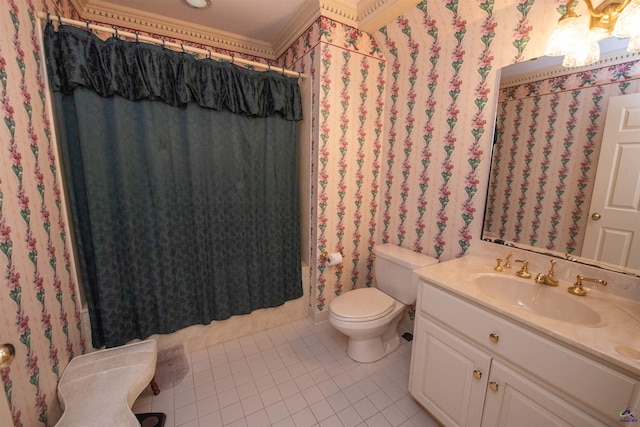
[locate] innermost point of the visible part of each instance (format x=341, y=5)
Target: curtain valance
x=135, y=71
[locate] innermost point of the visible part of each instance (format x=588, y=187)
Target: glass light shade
x=628, y=23
x=585, y=52
x=634, y=44
x=567, y=30
x=598, y=34
x=199, y=3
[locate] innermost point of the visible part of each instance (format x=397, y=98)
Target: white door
x=5, y=415
x=613, y=230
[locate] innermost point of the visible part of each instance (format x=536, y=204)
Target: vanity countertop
x=614, y=340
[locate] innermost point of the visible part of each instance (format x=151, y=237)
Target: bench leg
x=154, y=386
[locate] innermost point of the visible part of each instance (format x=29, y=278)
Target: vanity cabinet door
x=514, y=400
x=449, y=376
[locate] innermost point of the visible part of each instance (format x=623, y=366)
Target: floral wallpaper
x=416, y=171
x=348, y=96
x=564, y=114
x=401, y=134
x=39, y=301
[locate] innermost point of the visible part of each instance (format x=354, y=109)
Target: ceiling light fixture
x=199, y=4
x=578, y=40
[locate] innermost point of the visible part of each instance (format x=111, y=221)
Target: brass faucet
x=500, y=268
x=548, y=279
x=577, y=289
x=508, y=263
x=523, y=272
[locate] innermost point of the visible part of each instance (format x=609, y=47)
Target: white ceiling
x=258, y=27
x=261, y=20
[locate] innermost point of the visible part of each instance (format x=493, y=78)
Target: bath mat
x=172, y=366
x=152, y=419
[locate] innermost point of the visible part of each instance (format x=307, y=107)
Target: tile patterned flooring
x=294, y=375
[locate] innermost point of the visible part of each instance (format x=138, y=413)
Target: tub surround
x=197, y=337
x=201, y=336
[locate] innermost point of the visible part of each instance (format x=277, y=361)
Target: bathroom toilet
x=369, y=317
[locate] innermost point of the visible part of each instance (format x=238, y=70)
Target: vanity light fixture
x=199, y=4
x=577, y=39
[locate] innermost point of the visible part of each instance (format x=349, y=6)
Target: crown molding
x=342, y=11
x=366, y=15
x=375, y=14
x=613, y=58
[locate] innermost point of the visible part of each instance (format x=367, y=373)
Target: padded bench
x=99, y=388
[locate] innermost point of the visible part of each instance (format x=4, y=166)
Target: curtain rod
x=208, y=53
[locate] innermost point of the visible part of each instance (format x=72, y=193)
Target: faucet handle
x=551, y=278
x=498, y=267
x=524, y=271
x=577, y=289
x=548, y=279
x=507, y=264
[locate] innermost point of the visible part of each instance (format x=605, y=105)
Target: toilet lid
x=362, y=305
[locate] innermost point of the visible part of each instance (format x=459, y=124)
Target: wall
x=346, y=138
x=39, y=301
x=439, y=114
x=400, y=147
x=400, y=153
x=443, y=59
x=558, y=122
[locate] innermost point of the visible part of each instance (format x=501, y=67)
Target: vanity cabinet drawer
x=583, y=379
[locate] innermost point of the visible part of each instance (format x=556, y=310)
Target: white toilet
x=370, y=316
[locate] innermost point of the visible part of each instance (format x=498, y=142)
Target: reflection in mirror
x=550, y=123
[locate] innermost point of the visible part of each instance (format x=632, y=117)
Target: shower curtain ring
x=88, y=27
x=182, y=46
x=115, y=35
x=233, y=58
x=209, y=56
x=59, y=20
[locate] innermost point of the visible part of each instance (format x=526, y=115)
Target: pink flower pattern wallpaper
x=424, y=154
x=401, y=132
x=39, y=298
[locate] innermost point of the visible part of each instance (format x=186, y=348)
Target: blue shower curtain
x=182, y=181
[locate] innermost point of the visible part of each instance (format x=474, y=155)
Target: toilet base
x=374, y=349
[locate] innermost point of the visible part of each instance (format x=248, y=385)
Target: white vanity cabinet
x=472, y=367
x=449, y=374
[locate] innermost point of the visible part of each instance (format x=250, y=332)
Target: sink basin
x=537, y=299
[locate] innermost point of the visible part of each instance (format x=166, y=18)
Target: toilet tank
x=394, y=267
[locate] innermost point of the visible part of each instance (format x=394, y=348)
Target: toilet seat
x=362, y=305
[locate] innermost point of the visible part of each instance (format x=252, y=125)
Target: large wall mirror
x=564, y=179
